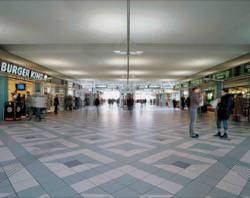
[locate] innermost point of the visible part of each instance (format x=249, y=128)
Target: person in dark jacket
x=188, y=102
x=183, y=103
x=97, y=103
x=224, y=110
x=56, y=104
x=174, y=103
x=195, y=100
x=130, y=102
x=18, y=98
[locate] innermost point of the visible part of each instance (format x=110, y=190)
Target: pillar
x=218, y=88
x=3, y=95
x=38, y=88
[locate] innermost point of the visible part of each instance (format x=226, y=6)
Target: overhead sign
x=167, y=86
x=101, y=86
x=21, y=71
x=154, y=86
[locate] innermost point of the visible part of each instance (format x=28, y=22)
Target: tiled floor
x=145, y=154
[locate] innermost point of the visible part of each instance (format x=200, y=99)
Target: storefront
x=15, y=80
x=19, y=86
x=54, y=87
x=20, y=79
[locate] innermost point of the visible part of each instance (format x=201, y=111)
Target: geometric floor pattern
x=118, y=154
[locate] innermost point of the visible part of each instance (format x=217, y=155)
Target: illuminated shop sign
x=222, y=75
x=196, y=82
x=247, y=68
x=184, y=85
x=21, y=71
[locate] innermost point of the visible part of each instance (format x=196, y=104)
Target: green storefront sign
x=196, y=82
x=177, y=86
x=247, y=68
x=222, y=75
x=185, y=85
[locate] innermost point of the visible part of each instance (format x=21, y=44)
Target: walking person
x=28, y=103
x=56, y=104
x=188, y=102
x=183, y=103
x=174, y=103
x=195, y=100
x=86, y=103
x=130, y=103
x=238, y=107
x=224, y=110
x=97, y=103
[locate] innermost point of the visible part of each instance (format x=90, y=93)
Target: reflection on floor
x=146, y=153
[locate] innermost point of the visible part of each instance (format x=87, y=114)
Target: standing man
x=56, y=104
x=195, y=100
x=224, y=110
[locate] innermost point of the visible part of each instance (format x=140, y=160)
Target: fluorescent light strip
x=125, y=53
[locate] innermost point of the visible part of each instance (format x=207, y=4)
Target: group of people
x=223, y=111
x=25, y=103
x=185, y=102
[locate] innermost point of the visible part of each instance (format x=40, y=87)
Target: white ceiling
x=179, y=38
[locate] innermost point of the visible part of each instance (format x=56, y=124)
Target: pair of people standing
x=223, y=112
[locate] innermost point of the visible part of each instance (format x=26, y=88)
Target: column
x=3, y=95
x=218, y=88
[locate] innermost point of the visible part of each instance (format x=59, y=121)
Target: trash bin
x=18, y=111
x=9, y=111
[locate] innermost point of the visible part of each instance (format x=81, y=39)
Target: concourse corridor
x=146, y=153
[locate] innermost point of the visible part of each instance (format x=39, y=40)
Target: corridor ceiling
x=77, y=38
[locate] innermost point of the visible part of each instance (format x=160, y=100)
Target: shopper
x=18, y=98
x=56, y=104
x=188, y=102
x=183, y=103
x=28, y=103
x=97, y=103
x=174, y=103
x=238, y=107
x=23, y=105
x=130, y=102
x=195, y=100
x=224, y=110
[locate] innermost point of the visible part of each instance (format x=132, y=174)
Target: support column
x=218, y=88
x=3, y=95
x=38, y=88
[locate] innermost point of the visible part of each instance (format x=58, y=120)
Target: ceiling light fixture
x=119, y=52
